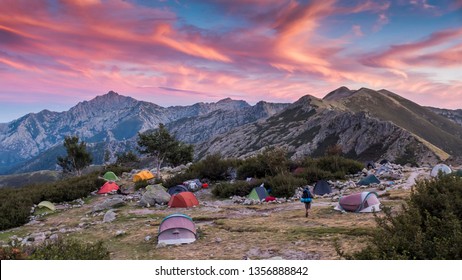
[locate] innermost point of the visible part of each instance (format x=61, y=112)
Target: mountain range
x=367, y=124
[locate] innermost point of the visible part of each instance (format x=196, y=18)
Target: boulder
x=109, y=216
x=155, y=194
x=109, y=203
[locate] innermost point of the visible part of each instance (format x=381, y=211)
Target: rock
x=120, y=232
x=109, y=203
x=247, y=202
x=54, y=237
x=147, y=238
x=109, y=216
x=161, y=245
x=218, y=240
x=300, y=243
x=276, y=258
x=38, y=237
x=155, y=194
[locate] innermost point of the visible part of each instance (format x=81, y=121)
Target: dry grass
x=226, y=231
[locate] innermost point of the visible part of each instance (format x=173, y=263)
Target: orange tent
x=108, y=187
x=183, y=200
x=143, y=176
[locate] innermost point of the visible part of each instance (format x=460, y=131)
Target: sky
x=54, y=54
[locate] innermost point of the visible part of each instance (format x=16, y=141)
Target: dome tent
x=108, y=187
x=440, y=167
x=363, y=202
x=177, y=229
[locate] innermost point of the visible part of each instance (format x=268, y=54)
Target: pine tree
x=77, y=156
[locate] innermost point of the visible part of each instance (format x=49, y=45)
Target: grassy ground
x=226, y=230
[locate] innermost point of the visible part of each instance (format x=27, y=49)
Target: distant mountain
x=110, y=122
x=368, y=124
x=452, y=115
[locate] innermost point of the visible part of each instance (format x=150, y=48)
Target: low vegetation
x=428, y=227
x=16, y=204
x=59, y=250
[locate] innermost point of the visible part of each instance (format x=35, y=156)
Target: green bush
x=12, y=253
x=328, y=167
x=15, y=204
x=213, y=167
x=240, y=188
x=70, y=250
x=284, y=184
x=270, y=162
x=178, y=179
x=428, y=227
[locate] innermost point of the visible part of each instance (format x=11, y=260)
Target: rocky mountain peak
x=340, y=93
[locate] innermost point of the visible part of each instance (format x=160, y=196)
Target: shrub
x=240, y=188
x=71, y=250
x=428, y=227
x=270, y=162
x=328, y=167
x=12, y=253
x=284, y=184
x=15, y=204
x=213, y=167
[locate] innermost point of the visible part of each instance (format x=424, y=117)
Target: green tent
x=258, y=193
x=458, y=173
x=47, y=204
x=370, y=179
x=110, y=176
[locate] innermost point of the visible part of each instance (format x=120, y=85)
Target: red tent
x=183, y=200
x=108, y=187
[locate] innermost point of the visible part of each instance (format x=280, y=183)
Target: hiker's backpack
x=307, y=197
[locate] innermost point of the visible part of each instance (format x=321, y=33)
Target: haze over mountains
x=367, y=124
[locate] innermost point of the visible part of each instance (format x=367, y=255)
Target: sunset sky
x=54, y=54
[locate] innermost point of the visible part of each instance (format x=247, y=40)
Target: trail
x=411, y=180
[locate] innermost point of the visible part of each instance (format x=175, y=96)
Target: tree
x=77, y=156
x=163, y=147
x=127, y=158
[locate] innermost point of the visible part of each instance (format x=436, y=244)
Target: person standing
x=307, y=198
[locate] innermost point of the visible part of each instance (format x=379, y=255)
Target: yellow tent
x=143, y=176
x=47, y=204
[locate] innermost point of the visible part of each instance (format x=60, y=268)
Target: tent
x=193, y=185
x=440, y=167
x=47, y=204
x=370, y=179
x=322, y=187
x=458, y=173
x=183, y=200
x=177, y=189
x=370, y=165
x=364, y=202
x=384, y=161
x=258, y=193
x=143, y=175
x=108, y=187
x=110, y=176
x=177, y=229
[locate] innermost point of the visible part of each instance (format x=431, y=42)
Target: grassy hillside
x=418, y=120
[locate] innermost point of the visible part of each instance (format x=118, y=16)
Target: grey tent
x=384, y=161
x=322, y=187
x=370, y=179
x=370, y=165
x=177, y=189
x=177, y=229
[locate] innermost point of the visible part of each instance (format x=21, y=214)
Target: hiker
x=307, y=197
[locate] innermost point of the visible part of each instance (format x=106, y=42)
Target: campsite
x=141, y=223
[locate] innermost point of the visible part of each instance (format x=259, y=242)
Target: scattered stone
x=161, y=245
x=218, y=240
x=54, y=237
x=109, y=203
x=147, y=238
x=120, y=232
x=109, y=216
